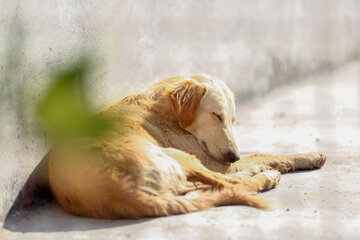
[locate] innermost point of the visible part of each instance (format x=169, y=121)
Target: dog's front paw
x=317, y=159
x=321, y=161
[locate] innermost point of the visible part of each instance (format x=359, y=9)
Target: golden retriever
x=172, y=151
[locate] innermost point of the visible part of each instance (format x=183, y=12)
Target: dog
x=172, y=151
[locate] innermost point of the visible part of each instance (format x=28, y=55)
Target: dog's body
x=168, y=154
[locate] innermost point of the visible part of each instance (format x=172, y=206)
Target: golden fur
x=172, y=151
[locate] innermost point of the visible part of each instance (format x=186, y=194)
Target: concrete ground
x=321, y=113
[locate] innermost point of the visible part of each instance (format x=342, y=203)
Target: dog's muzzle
x=232, y=157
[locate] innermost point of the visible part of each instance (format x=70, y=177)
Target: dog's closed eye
x=218, y=116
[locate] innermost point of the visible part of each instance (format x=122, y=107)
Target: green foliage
x=64, y=112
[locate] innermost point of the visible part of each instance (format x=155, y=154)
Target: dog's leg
x=216, y=190
x=221, y=193
x=197, y=200
x=196, y=172
x=259, y=182
x=192, y=186
x=282, y=163
x=249, y=172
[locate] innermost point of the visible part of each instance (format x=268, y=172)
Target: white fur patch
x=168, y=167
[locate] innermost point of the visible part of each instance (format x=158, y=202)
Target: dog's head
x=205, y=107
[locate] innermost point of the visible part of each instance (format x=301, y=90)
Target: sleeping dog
x=172, y=151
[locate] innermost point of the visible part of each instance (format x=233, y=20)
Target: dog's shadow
x=34, y=211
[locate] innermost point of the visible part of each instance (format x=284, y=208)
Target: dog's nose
x=232, y=157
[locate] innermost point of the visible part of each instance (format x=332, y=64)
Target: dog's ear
x=185, y=100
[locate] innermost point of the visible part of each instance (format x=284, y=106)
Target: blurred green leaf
x=64, y=112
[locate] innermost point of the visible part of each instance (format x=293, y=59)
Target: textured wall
x=253, y=45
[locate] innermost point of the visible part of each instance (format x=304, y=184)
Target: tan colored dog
x=171, y=152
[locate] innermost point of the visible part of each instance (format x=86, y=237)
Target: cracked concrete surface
x=321, y=113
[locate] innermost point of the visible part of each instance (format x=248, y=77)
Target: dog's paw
x=252, y=171
x=317, y=160
x=321, y=160
x=273, y=175
x=272, y=178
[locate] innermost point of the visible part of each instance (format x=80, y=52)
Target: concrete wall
x=252, y=45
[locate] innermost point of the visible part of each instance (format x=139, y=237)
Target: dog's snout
x=232, y=157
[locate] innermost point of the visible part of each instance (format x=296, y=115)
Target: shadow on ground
x=57, y=220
